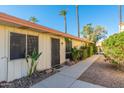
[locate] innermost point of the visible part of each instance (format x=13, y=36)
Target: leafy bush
x=113, y=48
x=83, y=52
x=87, y=51
x=75, y=54
x=91, y=50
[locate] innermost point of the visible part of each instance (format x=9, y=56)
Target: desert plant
x=75, y=54
x=113, y=48
x=32, y=61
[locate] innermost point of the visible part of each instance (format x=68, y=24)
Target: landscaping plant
x=32, y=61
x=91, y=51
x=75, y=54
x=113, y=48
x=87, y=51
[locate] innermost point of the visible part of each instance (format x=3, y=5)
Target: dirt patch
x=104, y=74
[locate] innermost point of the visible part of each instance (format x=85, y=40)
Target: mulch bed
x=104, y=74
x=26, y=82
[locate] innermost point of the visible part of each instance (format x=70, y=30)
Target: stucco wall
x=3, y=60
x=18, y=68
x=76, y=43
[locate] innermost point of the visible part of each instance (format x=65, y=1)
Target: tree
x=120, y=16
x=63, y=13
x=94, y=34
x=87, y=31
x=33, y=19
x=77, y=17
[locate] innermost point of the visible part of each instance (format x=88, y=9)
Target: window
x=17, y=45
x=32, y=43
x=68, y=49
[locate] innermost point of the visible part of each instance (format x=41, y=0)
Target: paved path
x=67, y=77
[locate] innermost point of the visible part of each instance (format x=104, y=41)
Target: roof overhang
x=23, y=24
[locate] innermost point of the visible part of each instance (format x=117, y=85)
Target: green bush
x=75, y=54
x=83, y=52
x=113, y=48
x=94, y=48
x=91, y=50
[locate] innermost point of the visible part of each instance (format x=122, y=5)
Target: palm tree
x=77, y=16
x=33, y=19
x=120, y=16
x=63, y=13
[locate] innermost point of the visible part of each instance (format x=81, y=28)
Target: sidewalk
x=67, y=77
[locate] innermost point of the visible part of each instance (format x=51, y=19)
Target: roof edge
x=12, y=19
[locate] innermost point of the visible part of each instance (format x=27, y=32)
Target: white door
x=3, y=59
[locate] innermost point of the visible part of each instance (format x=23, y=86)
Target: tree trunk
x=120, y=16
x=77, y=16
x=65, y=24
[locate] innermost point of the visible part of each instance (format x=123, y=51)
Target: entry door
x=3, y=60
x=55, y=52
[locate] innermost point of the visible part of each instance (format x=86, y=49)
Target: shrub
x=75, y=54
x=113, y=48
x=91, y=50
x=83, y=52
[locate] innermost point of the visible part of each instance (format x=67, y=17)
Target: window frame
x=26, y=44
x=37, y=50
x=68, y=53
x=10, y=46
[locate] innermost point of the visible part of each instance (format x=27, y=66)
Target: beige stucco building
x=17, y=35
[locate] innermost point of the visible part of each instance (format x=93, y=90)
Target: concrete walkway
x=67, y=77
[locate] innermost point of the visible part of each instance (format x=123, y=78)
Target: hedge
x=87, y=51
x=113, y=48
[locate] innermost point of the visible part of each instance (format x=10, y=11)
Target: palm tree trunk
x=77, y=16
x=65, y=24
x=120, y=16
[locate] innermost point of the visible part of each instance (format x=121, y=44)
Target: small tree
x=32, y=61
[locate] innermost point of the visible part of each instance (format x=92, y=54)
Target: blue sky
x=47, y=15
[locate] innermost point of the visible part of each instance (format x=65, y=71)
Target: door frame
x=58, y=50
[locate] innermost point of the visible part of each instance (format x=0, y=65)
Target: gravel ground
x=104, y=74
x=26, y=82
